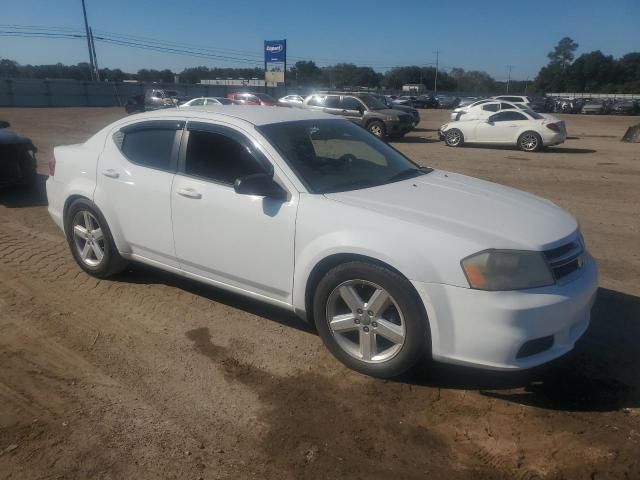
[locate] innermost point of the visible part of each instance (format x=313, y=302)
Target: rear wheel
x=377, y=128
x=454, y=138
x=371, y=319
x=90, y=240
x=530, y=142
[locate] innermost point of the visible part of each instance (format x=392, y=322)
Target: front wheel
x=530, y=142
x=454, y=138
x=90, y=240
x=377, y=128
x=371, y=319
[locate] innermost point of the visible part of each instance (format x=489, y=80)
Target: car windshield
x=336, y=156
x=372, y=103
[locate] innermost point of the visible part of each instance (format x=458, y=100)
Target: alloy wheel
x=453, y=137
x=529, y=142
x=365, y=321
x=88, y=238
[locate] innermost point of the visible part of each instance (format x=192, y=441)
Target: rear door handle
x=189, y=193
x=111, y=173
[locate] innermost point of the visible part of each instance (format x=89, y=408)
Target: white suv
x=311, y=213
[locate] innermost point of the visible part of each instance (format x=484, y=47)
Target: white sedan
x=313, y=214
x=482, y=109
x=207, y=101
x=525, y=129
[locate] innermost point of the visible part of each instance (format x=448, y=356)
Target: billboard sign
x=275, y=51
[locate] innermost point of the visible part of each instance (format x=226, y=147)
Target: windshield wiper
x=408, y=173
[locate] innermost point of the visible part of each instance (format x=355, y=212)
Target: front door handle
x=189, y=193
x=111, y=173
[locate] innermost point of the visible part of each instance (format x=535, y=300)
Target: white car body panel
x=421, y=227
x=506, y=132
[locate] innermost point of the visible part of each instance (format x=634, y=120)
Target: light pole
x=86, y=28
x=509, y=77
x=435, y=83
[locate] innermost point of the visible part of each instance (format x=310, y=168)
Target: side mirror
x=259, y=184
x=489, y=121
x=4, y=124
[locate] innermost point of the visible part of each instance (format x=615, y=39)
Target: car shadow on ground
x=407, y=139
x=21, y=196
x=424, y=130
x=142, y=274
x=567, y=150
x=600, y=374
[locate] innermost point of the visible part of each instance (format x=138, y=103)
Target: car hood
x=9, y=137
x=401, y=108
x=491, y=215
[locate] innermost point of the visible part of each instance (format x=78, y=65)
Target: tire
x=529, y=142
x=85, y=243
x=377, y=128
x=454, y=138
x=382, y=342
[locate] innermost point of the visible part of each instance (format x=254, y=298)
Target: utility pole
x=95, y=57
x=86, y=28
x=435, y=83
x=509, y=77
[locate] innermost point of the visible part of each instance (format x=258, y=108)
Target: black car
x=403, y=108
x=426, y=101
x=17, y=158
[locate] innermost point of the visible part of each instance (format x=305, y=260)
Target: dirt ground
x=152, y=376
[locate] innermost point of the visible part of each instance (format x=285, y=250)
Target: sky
x=471, y=34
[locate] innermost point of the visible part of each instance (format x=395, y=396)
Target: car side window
x=351, y=103
x=218, y=157
x=316, y=101
x=505, y=106
x=492, y=107
x=332, y=101
x=198, y=102
x=252, y=99
x=507, y=116
x=149, y=146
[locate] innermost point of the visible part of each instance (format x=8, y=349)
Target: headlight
x=507, y=270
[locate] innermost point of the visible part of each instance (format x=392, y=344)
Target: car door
x=242, y=241
x=133, y=191
x=352, y=108
x=501, y=127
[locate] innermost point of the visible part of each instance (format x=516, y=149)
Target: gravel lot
x=152, y=376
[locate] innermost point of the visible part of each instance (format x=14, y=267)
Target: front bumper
x=489, y=329
x=398, y=128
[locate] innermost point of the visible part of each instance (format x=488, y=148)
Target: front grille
x=566, y=259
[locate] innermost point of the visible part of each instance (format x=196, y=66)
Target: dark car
x=623, y=107
x=135, y=104
x=447, y=102
x=402, y=108
x=17, y=158
x=425, y=101
x=365, y=110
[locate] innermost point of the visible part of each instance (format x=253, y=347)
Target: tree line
x=590, y=72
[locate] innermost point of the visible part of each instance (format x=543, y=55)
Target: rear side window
x=149, y=147
x=217, y=157
x=351, y=103
x=332, y=101
x=507, y=116
x=492, y=107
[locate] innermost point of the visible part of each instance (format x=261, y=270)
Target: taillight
x=553, y=126
x=52, y=165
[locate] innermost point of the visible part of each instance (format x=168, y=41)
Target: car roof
x=256, y=115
